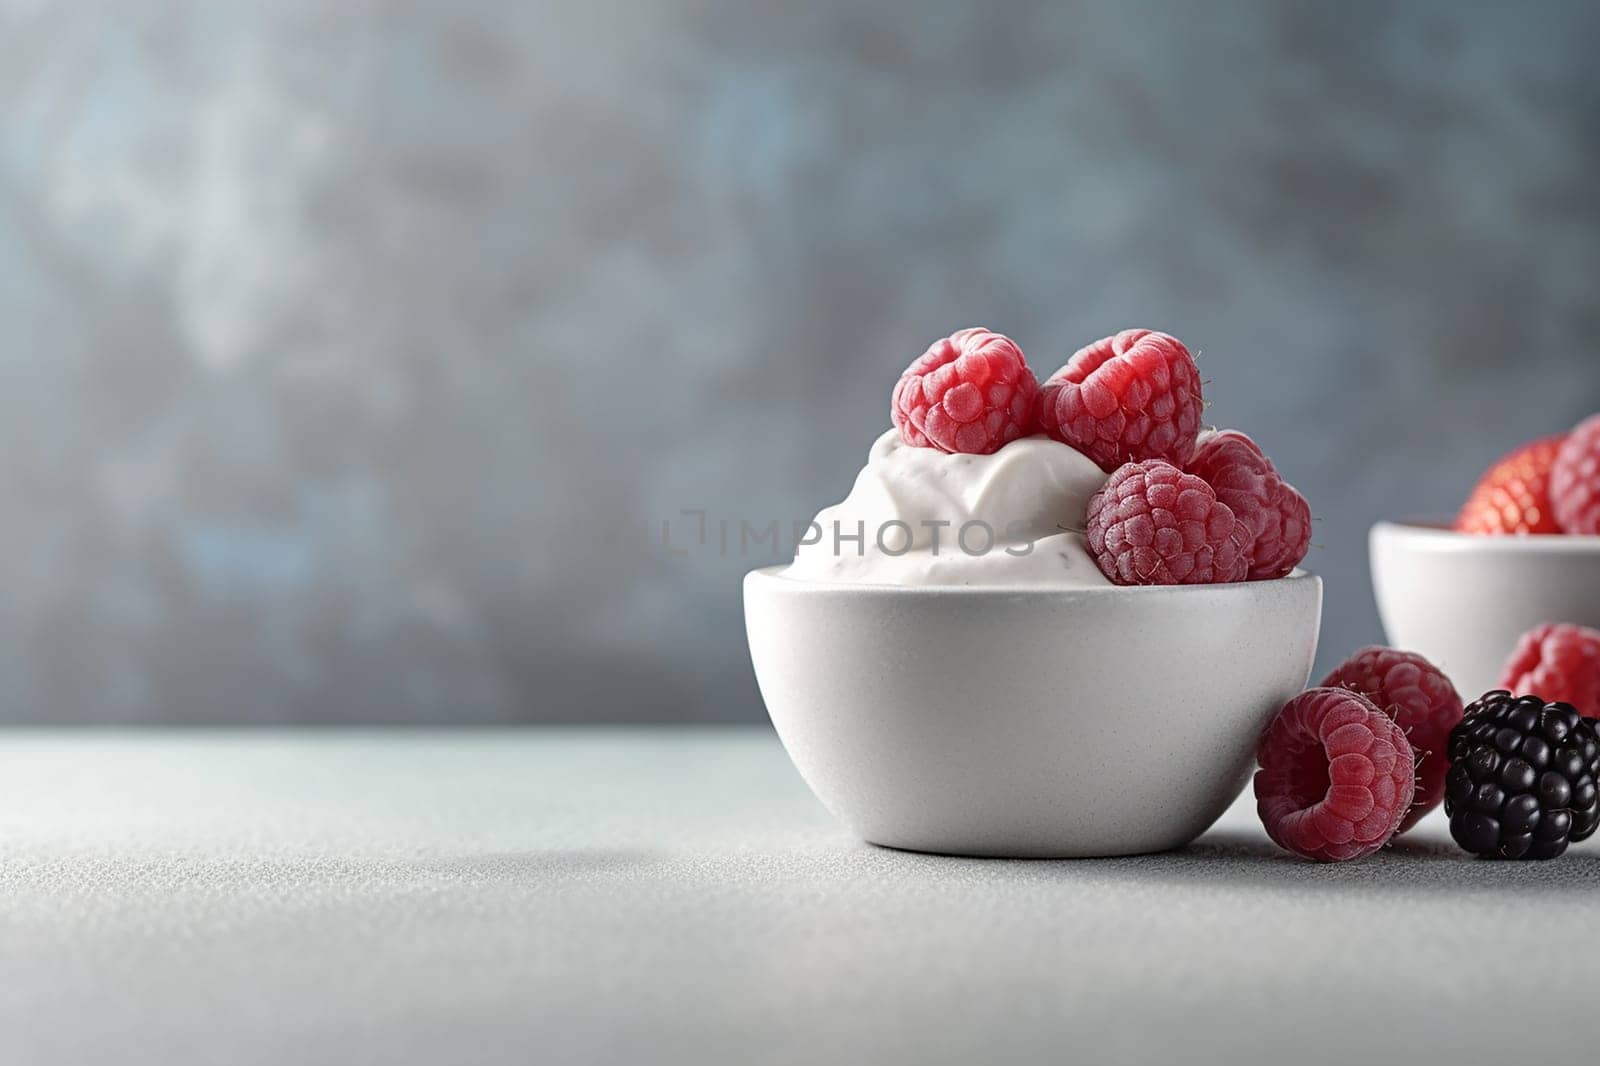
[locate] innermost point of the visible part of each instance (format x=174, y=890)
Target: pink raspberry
x=1559, y=663
x=1575, y=480
x=1245, y=479
x=1335, y=777
x=1423, y=703
x=1127, y=398
x=970, y=392
x=1152, y=524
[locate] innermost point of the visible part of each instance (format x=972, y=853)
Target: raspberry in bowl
x=1013, y=650
x=1519, y=555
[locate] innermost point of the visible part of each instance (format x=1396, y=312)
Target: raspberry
x=1245, y=479
x=1423, y=703
x=1522, y=781
x=970, y=392
x=1513, y=496
x=1335, y=777
x=1152, y=524
x=1575, y=479
x=1557, y=662
x=1127, y=398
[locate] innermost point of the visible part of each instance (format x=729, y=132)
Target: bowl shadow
x=1239, y=859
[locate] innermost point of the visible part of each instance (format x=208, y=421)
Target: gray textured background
x=338, y=342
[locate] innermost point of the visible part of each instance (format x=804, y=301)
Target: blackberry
x=1522, y=780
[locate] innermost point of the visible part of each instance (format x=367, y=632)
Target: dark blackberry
x=1522, y=780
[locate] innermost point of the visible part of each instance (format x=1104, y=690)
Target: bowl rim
x=1437, y=536
x=774, y=577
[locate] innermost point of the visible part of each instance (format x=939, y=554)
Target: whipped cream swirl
x=919, y=516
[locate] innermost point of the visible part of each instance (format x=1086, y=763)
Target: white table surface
x=678, y=896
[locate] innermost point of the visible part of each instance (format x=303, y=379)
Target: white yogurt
x=919, y=516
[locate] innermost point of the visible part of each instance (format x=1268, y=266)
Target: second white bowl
x=1463, y=599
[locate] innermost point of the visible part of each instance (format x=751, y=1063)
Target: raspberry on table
x=969, y=392
x=1575, y=479
x=1245, y=479
x=1423, y=703
x=1127, y=398
x=1152, y=524
x=1522, y=780
x=1336, y=776
x=1558, y=661
x=1513, y=496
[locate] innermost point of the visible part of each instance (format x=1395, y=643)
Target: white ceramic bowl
x=1463, y=599
x=1027, y=722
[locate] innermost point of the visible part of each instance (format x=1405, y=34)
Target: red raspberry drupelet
x=1245, y=479
x=970, y=392
x=1513, y=496
x=1575, y=479
x=1559, y=663
x=1336, y=776
x=1423, y=703
x=1127, y=398
x=1152, y=524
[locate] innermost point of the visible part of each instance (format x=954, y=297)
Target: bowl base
x=1027, y=854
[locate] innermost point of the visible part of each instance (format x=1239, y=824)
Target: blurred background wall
x=351, y=354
